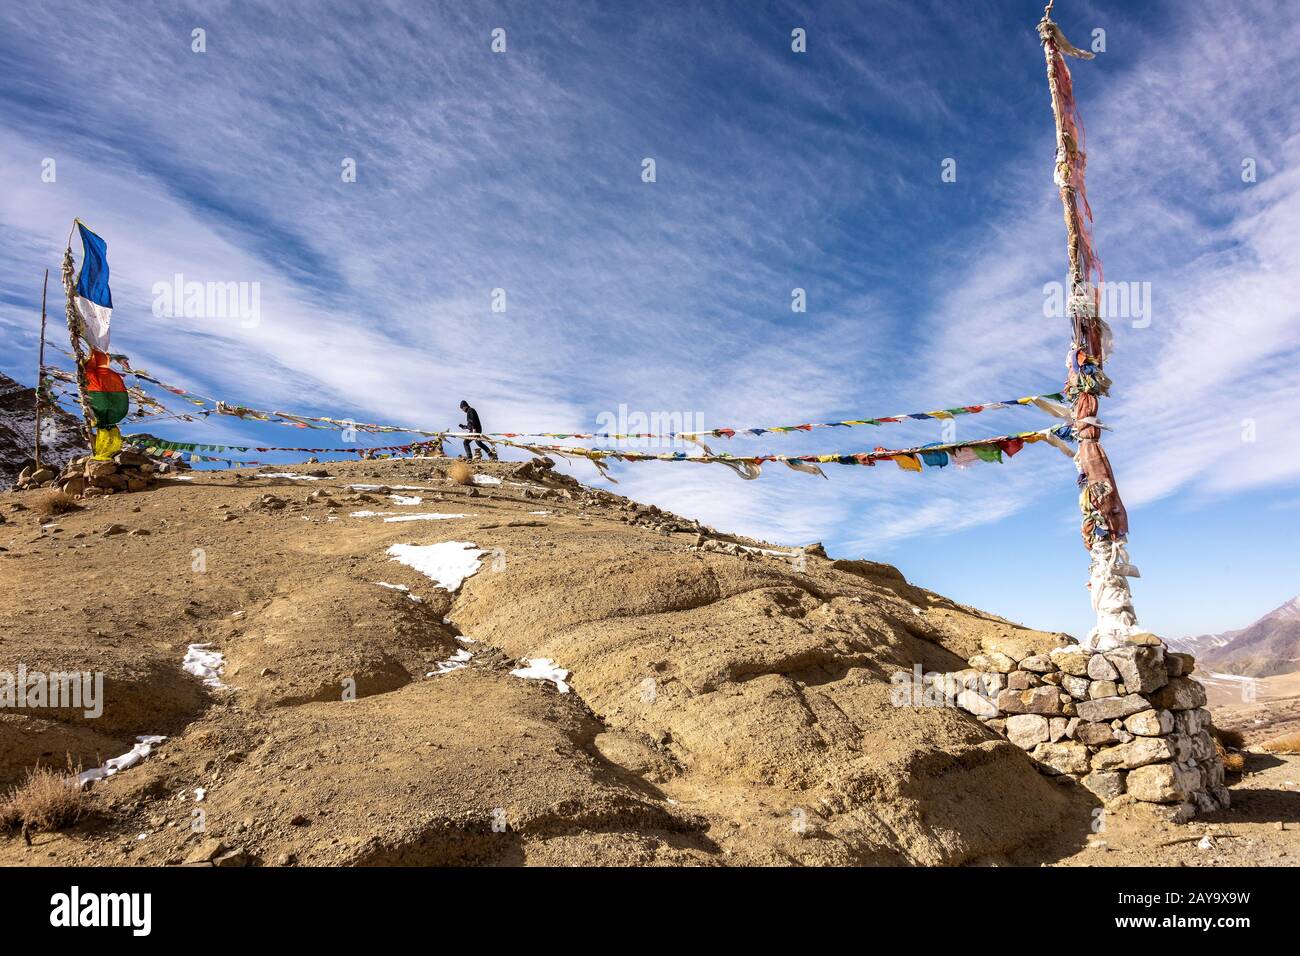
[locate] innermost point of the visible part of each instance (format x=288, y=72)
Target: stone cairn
x=87, y=478
x=1129, y=724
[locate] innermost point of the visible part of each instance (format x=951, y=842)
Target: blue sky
x=775, y=170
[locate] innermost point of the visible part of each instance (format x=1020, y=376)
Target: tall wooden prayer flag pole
x=40, y=370
x=1105, y=521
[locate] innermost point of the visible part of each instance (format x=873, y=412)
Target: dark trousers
x=469, y=452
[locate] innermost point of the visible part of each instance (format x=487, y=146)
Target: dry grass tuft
x=461, y=473
x=1286, y=744
x=55, y=503
x=46, y=800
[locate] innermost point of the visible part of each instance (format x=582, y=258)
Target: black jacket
x=472, y=422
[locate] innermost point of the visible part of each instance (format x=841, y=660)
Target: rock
x=1076, y=687
x=235, y=857
x=1068, y=757
x=1027, y=731
x=1181, y=693
x=1073, y=660
x=1038, y=663
x=1035, y=700
x=1102, y=688
x=1112, y=708
x=41, y=476
x=1056, y=728
x=74, y=486
x=139, y=533
x=100, y=469
x=997, y=724
x=1179, y=665
x=1106, y=784
x=1071, y=727
x=136, y=484
x=114, y=529
x=1101, y=669
x=996, y=662
x=816, y=549
x=1142, y=669
x=206, y=851
x=286, y=859
x=1021, y=680
x=1181, y=813
x=1145, y=639
x=977, y=704
x=1150, y=723
x=1162, y=783
x=1191, y=722
x=1140, y=752
x=1018, y=646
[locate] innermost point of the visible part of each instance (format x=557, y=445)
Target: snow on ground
x=486, y=480
x=400, y=587
x=447, y=563
x=406, y=499
x=454, y=663
x=289, y=474
x=543, y=668
x=205, y=663
x=143, y=748
x=539, y=512
x=178, y=477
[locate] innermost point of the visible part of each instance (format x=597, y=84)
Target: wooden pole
x=1105, y=521
x=40, y=370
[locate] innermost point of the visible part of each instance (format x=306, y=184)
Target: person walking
x=472, y=424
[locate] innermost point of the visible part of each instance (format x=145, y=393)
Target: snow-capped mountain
x=1269, y=646
x=60, y=442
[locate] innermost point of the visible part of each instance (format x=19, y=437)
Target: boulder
x=977, y=704
x=1038, y=663
x=1035, y=700
x=1181, y=693
x=1142, y=669
x=1101, y=669
x=1112, y=708
x=1162, y=783
x=100, y=469
x=1022, y=680
x=996, y=662
x=1066, y=757
x=1072, y=660
x=1056, y=728
x=1102, y=688
x=1138, y=753
x=1019, y=646
x=1027, y=731
x=1094, y=735
x=1106, y=784
x=1150, y=723
x=1179, y=665
x=1076, y=687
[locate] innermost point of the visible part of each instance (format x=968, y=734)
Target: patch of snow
x=403, y=588
x=447, y=564
x=406, y=499
x=454, y=663
x=205, y=663
x=465, y=640
x=539, y=512
x=289, y=474
x=486, y=480
x=543, y=668
x=178, y=477
x=143, y=748
x=199, y=794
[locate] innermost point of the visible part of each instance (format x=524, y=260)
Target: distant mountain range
x=62, y=441
x=1269, y=646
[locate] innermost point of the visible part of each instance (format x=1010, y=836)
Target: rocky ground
x=727, y=705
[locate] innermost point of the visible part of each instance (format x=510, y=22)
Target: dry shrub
x=461, y=473
x=1286, y=744
x=46, y=800
x=55, y=503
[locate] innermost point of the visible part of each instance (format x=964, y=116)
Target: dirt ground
x=725, y=708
